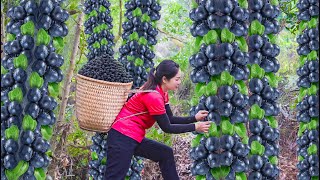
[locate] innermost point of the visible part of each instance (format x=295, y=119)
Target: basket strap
x=126, y=117
x=138, y=90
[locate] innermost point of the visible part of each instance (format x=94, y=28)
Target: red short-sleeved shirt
x=135, y=127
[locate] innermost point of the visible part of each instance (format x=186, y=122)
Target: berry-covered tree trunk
x=308, y=82
x=219, y=73
x=263, y=50
x=139, y=38
x=30, y=77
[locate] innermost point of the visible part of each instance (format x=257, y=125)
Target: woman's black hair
x=166, y=68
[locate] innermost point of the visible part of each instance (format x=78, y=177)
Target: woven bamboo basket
x=99, y=102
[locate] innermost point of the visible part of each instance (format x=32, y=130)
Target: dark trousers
x=121, y=148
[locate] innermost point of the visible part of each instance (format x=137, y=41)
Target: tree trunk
x=67, y=82
x=3, y=32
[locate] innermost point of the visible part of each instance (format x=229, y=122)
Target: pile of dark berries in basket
x=106, y=68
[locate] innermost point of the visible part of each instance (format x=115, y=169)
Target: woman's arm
x=179, y=120
x=164, y=123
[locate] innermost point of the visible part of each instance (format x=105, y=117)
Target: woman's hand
x=201, y=115
x=203, y=127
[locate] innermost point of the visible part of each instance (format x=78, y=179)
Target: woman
x=127, y=135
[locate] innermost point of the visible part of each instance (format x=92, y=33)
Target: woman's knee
x=168, y=151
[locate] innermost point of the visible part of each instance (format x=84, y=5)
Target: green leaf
x=273, y=160
x=261, y=30
x=313, y=124
x=28, y=123
x=200, y=89
x=300, y=158
x=27, y=28
x=138, y=62
x=58, y=44
x=96, y=45
x=46, y=132
x=256, y=112
x=302, y=26
x=224, y=171
x=145, y=18
x=39, y=173
x=257, y=148
x=313, y=23
x=18, y=171
x=194, y=101
x=35, y=80
x=312, y=55
x=94, y=156
x=11, y=37
x=216, y=172
x=274, y=2
x=197, y=44
x=96, y=29
x=272, y=121
x=256, y=28
x=54, y=89
x=103, y=26
x=256, y=71
x=104, y=161
x=302, y=93
x=211, y=88
x=302, y=60
x=102, y=9
x=315, y=178
x=134, y=36
x=196, y=141
x=312, y=90
x=213, y=130
x=302, y=127
x=137, y=12
x=49, y=153
x=43, y=37
x=272, y=38
x=273, y=81
x=199, y=177
x=16, y=95
x=21, y=62
x=243, y=4
x=240, y=129
x=312, y=149
x=243, y=46
x=12, y=132
x=245, y=140
x=227, y=36
x=226, y=78
x=130, y=58
x=93, y=13
x=227, y=128
x=194, y=4
x=3, y=70
x=143, y=41
x=242, y=87
x=241, y=176
x=211, y=37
